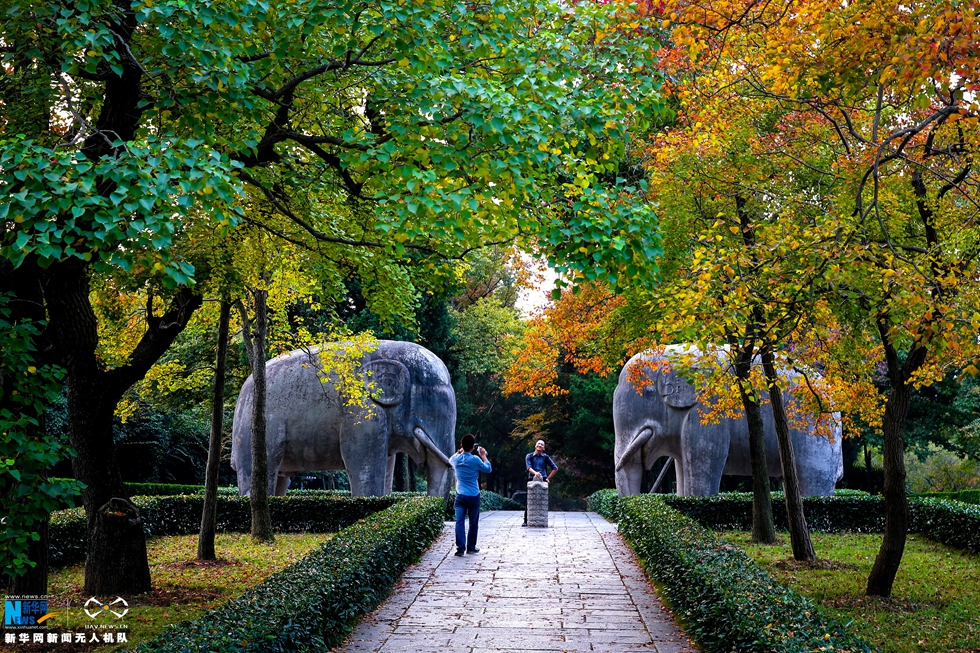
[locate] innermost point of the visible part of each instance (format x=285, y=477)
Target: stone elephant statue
x=412, y=409
x=663, y=420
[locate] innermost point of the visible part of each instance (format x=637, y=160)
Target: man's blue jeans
x=467, y=504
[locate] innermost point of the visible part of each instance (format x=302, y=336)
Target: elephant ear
x=388, y=380
x=677, y=392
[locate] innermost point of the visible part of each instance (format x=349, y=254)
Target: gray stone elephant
x=663, y=420
x=412, y=409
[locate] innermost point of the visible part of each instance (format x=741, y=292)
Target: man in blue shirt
x=468, y=467
x=537, y=464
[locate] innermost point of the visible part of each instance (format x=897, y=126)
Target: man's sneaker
x=524, y=524
x=472, y=551
x=459, y=552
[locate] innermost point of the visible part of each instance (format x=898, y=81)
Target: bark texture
x=205, y=540
x=116, y=562
x=92, y=394
x=763, y=529
x=889, y=557
x=259, y=495
x=799, y=533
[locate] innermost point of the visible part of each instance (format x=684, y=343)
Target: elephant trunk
x=432, y=452
x=636, y=445
x=438, y=468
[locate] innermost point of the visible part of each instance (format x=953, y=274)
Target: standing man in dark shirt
x=537, y=464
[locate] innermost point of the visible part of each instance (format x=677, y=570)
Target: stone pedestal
x=537, y=504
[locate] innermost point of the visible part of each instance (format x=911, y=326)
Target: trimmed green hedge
x=169, y=489
x=949, y=522
x=966, y=496
x=488, y=500
x=181, y=515
x=313, y=604
x=604, y=502
x=728, y=602
x=733, y=511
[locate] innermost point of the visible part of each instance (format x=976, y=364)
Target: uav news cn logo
x=25, y=612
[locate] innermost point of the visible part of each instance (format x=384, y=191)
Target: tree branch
x=160, y=334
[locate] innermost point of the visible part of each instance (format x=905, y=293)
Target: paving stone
x=574, y=586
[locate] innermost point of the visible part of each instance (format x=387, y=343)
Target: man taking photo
x=468, y=467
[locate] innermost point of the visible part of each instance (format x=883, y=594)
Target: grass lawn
x=183, y=588
x=935, y=603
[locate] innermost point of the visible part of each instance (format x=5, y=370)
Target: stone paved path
x=574, y=586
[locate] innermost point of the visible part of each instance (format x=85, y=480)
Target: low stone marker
x=537, y=504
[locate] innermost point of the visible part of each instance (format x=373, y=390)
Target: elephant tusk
x=634, y=447
x=428, y=444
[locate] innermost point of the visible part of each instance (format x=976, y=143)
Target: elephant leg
x=282, y=485
x=704, y=452
x=631, y=456
x=629, y=479
x=390, y=473
x=244, y=474
x=276, y=449
x=817, y=461
x=438, y=477
x=364, y=448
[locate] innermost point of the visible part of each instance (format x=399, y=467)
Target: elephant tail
x=634, y=447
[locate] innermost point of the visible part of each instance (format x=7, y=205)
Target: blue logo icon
x=24, y=612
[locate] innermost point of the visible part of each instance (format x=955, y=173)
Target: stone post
x=537, y=504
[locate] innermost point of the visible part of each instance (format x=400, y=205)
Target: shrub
x=728, y=601
x=939, y=470
x=861, y=513
x=852, y=510
x=321, y=493
x=167, y=489
x=966, y=496
x=604, y=502
x=181, y=515
x=312, y=604
x=844, y=492
x=493, y=501
x=488, y=501
x=950, y=522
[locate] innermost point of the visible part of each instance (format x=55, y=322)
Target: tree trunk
x=892, y=549
x=259, y=495
x=205, y=541
x=896, y=502
x=116, y=562
x=763, y=529
x=799, y=534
